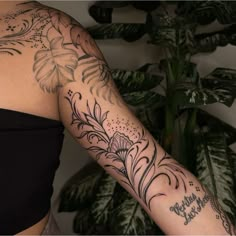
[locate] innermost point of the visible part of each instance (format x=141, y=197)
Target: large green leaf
x=101, y=11
x=214, y=169
x=131, y=81
x=191, y=97
x=144, y=98
x=79, y=190
x=208, y=42
x=128, y=218
x=215, y=124
x=103, y=200
x=153, y=120
x=97, y=213
x=129, y=32
x=205, y=12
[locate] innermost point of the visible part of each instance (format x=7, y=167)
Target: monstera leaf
x=54, y=67
x=79, y=191
x=132, y=81
x=129, y=32
x=214, y=168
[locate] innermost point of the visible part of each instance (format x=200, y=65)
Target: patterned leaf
x=147, y=98
x=83, y=222
x=215, y=170
x=79, y=191
x=129, y=32
x=205, y=12
x=131, y=81
x=103, y=200
x=204, y=96
x=208, y=42
x=101, y=11
x=127, y=217
x=55, y=67
x=216, y=125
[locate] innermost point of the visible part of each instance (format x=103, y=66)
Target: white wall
x=124, y=55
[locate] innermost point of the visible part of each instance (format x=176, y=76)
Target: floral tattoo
x=129, y=157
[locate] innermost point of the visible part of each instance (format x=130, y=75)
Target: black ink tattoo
x=133, y=159
x=57, y=57
x=192, y=205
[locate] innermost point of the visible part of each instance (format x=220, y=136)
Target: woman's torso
x=22, y=35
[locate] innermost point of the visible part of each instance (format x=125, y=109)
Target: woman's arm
x=96, y=116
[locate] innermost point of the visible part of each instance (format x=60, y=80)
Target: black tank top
x=30, y=146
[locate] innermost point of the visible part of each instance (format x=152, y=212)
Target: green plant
x=174, y=117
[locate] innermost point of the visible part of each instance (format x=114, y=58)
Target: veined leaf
x=214, y=169
x=55, y=67
x=131, y=81
x=129, y=32
x=214, y=124
x=101, y=11
x=226, y=74
x=147, y=98
x=128, y=218
x=208, y=42
x=103, y=200
x=79, y=191
x=205, y=12
x=192, y=96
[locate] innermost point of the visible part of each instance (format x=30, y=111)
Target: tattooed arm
x=95, y=115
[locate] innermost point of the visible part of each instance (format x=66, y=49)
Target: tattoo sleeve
x=125, y=149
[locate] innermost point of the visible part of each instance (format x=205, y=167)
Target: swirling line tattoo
x=129, y=158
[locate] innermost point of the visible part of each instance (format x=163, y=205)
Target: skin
x=68, y=79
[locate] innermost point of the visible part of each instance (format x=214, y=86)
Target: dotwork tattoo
x=57, y=57
x=133, y=158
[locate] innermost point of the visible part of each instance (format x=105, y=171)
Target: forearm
x=171, y=195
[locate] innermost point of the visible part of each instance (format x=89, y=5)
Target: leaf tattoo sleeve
x=62, y=45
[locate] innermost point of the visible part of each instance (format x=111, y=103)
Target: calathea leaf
x=214, y=169
x=129, y=32
x=147, y=98
x=79, y=191
x=131, y=81
x=103, y=200
x=82, y=222
x=54, y=67
x=189, y=95
x=208, y=42
x=127, y=217
x=205, y=12
x=101, y=11
x=214, y=124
